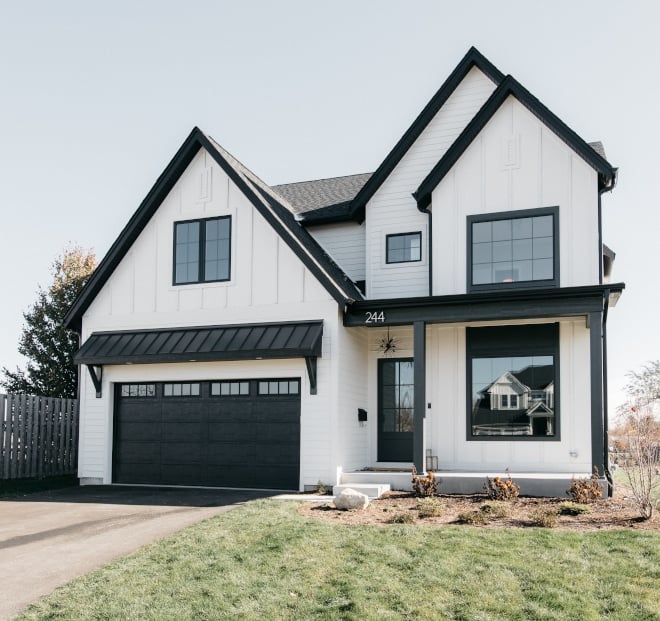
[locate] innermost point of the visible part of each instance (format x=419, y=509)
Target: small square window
x=202, y=250
x=403, y=247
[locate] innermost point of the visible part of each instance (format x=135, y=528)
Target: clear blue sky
x=95, y=98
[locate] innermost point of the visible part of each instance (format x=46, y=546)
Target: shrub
x=321, y=489
x=585, y=490
x=573, y=508
x=494, y=508
x=475, y=518
x=547, y=518
x=430, y=507
x=405, y=517
x=502, y=489
x=424, y=486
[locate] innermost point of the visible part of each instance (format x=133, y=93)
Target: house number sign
x=374, y=317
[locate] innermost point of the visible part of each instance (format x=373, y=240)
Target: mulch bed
x=612, y=513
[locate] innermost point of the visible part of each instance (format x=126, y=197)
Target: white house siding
x=393, y=210
x=516, y=163
x=345, y=243
x=268, y=284
x=352, y=393
x=446, y=420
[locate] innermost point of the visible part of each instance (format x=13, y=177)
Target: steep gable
x=270, y=205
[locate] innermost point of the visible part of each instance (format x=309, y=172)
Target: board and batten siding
x=392, y=209
x=345, y=243
x=268, y=283
x=447, y=418
x=516, y=163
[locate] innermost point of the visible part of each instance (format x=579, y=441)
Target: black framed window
x=202, y=250
x=404, y=247
x=138, y=390
x=513, y=249
x=279, y=387
x=230, y=389
x=187, y=389
x=513, y=382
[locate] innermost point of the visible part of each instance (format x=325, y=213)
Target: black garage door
x=226, y=433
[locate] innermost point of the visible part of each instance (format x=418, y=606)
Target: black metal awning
x=210, y=343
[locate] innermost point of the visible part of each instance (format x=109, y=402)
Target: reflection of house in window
x=517, y=403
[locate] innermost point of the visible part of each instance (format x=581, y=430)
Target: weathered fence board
x=38, y=436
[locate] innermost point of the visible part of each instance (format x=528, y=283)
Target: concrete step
x=373, y=490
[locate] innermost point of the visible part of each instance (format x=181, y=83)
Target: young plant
x=474, y=518
x=547, y=518
x=502, y=489
x=404, y=517
x=424, y=486
x=494, y=508
x=430, y=507
x=584, y=491
x=573, y=508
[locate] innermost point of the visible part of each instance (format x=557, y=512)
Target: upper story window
x=404, y=247
x=202, y=250
x=519, y=248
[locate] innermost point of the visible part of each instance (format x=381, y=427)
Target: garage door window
x=279, y=387
x=181, y=390
x=138, y=390
x=230, y=389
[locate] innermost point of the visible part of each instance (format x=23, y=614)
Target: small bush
x=475, y=518
x=494, y=508
x=424, y=486
x=584, y=491
x=573, y=508
x=502, y=489
x=430, y=507
x=547, y=518
x=405, y=517
x=321, y=489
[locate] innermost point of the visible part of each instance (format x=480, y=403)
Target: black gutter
x=606, y=441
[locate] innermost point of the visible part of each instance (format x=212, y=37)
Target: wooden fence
x=38, y=436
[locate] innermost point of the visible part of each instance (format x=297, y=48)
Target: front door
x=395, y=409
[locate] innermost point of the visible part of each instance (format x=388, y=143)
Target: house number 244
x=375, y=317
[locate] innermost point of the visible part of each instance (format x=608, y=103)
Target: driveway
x=49, y=538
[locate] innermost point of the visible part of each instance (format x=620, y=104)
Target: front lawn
x=265, y=561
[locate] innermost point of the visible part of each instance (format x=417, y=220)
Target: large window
x=202, y=250
x=513, y=374
x=513, y=249
x=404, y=247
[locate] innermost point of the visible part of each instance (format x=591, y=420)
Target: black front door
x=395, y=409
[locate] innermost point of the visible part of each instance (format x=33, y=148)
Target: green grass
x=264, y=561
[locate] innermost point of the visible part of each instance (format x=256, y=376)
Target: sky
x=96, y=97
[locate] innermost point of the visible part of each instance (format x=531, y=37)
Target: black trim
x=483, y=306
x=473, y=58
x=387, y=247
x=513, y=340
x=310, y=363
x=419, y=398
x=598, y=460
x=329, y=275
x=514, y=215
x=201, y=252
x=96, y=374
x=511, y=87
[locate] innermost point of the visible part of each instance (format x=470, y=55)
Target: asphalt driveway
x=49, y=538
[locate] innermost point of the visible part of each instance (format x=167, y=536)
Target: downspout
x=606, y=451
x=427, y=211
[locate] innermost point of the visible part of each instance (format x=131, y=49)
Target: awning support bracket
x=96, y=373
x=310, y=361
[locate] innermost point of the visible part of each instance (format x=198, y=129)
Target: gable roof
x=269, y=204
x=356, y=209
x=511, y=87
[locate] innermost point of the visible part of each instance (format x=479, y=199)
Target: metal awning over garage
x=210, y=343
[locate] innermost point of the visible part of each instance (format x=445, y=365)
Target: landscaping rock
x=350, y=500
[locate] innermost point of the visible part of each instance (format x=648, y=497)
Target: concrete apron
x=48, y=539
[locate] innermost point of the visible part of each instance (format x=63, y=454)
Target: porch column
x=597, y=422
x=419, y=348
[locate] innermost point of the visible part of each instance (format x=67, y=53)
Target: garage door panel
x=230, y=453
x=243, y=441
x=139, y=452
x=183, y=432
x=130, y=431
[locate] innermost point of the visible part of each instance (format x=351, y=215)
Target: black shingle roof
x=321, y=193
